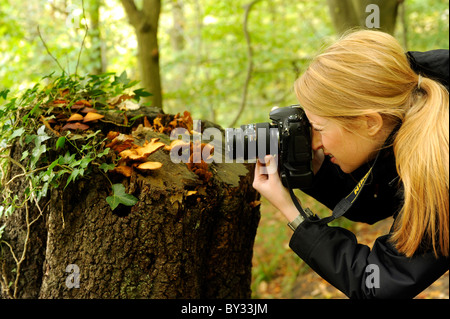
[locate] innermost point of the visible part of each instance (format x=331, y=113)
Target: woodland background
x=204, y=59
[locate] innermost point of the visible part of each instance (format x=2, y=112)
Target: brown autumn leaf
x=83, y=102
x=119, y=141
x=60, y=101
x=146, y=122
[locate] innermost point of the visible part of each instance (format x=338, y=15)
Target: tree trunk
x=348, y=14
x=98, y=57
x=145, y=23
x=185, y=238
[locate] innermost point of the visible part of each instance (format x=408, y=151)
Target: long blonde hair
x=366, y=72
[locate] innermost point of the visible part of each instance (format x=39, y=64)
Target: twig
x=84, y=38
x=28, y=225
x=48, y=51
x=47, y=125
x=248, y=7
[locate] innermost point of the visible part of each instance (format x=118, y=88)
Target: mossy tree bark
x=183, y=239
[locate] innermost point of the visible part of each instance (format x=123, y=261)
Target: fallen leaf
x=146, y=122
x=83, y=102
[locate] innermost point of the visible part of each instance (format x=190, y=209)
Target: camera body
x=295, y=153
x=288, y=138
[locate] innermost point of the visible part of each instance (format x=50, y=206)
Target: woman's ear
x=373, y=123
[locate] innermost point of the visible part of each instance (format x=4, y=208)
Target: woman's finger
x=271, y=165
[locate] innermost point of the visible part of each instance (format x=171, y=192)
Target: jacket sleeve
x=361, y=272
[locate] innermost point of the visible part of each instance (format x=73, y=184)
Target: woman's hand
x=268, y=183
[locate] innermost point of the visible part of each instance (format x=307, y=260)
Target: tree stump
x=183, y=239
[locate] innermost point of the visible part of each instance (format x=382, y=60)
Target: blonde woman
x=365, y=97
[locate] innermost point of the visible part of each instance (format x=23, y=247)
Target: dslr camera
x=287, y=138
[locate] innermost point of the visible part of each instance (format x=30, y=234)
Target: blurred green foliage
x=203, y=52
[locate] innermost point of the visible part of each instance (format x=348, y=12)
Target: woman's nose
x=316, y=140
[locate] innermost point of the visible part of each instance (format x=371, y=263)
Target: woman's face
x=347, y=149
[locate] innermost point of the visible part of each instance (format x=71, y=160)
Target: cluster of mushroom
x=200, y=168
x=83, y=115
x=163, y=123
x=132, y=155
x=78, y=122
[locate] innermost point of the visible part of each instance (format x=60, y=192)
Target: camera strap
x=342, y=207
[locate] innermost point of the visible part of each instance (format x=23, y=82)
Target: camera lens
x=251, y=141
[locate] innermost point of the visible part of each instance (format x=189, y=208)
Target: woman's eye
x=317, y=129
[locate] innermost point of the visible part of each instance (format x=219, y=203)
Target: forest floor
x=279, y=273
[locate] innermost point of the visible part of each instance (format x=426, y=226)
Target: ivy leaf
x=123, y=78
x=73, y=176
x=38, y=150
x=16, y=133
x=67, y=159
x=140, y=93
x=120, y=197
x=24, y=155
x=42, y=136
x=4, y=94
x=60, y=142
x=106, y=167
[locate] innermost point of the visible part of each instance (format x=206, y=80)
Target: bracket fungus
x=133, y=155
x=75, y=117
x=75, y=126
x=92, y=116
x=149, y=166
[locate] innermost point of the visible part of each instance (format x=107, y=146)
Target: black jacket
x=334, y=253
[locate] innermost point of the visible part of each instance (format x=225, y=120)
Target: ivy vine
x=55, y=156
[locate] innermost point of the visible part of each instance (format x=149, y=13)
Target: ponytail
x=421, y=150
x=368, y=71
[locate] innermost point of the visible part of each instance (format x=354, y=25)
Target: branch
x=84, y=38
x=48, y=51
x=248, y=7
x=133, y=13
